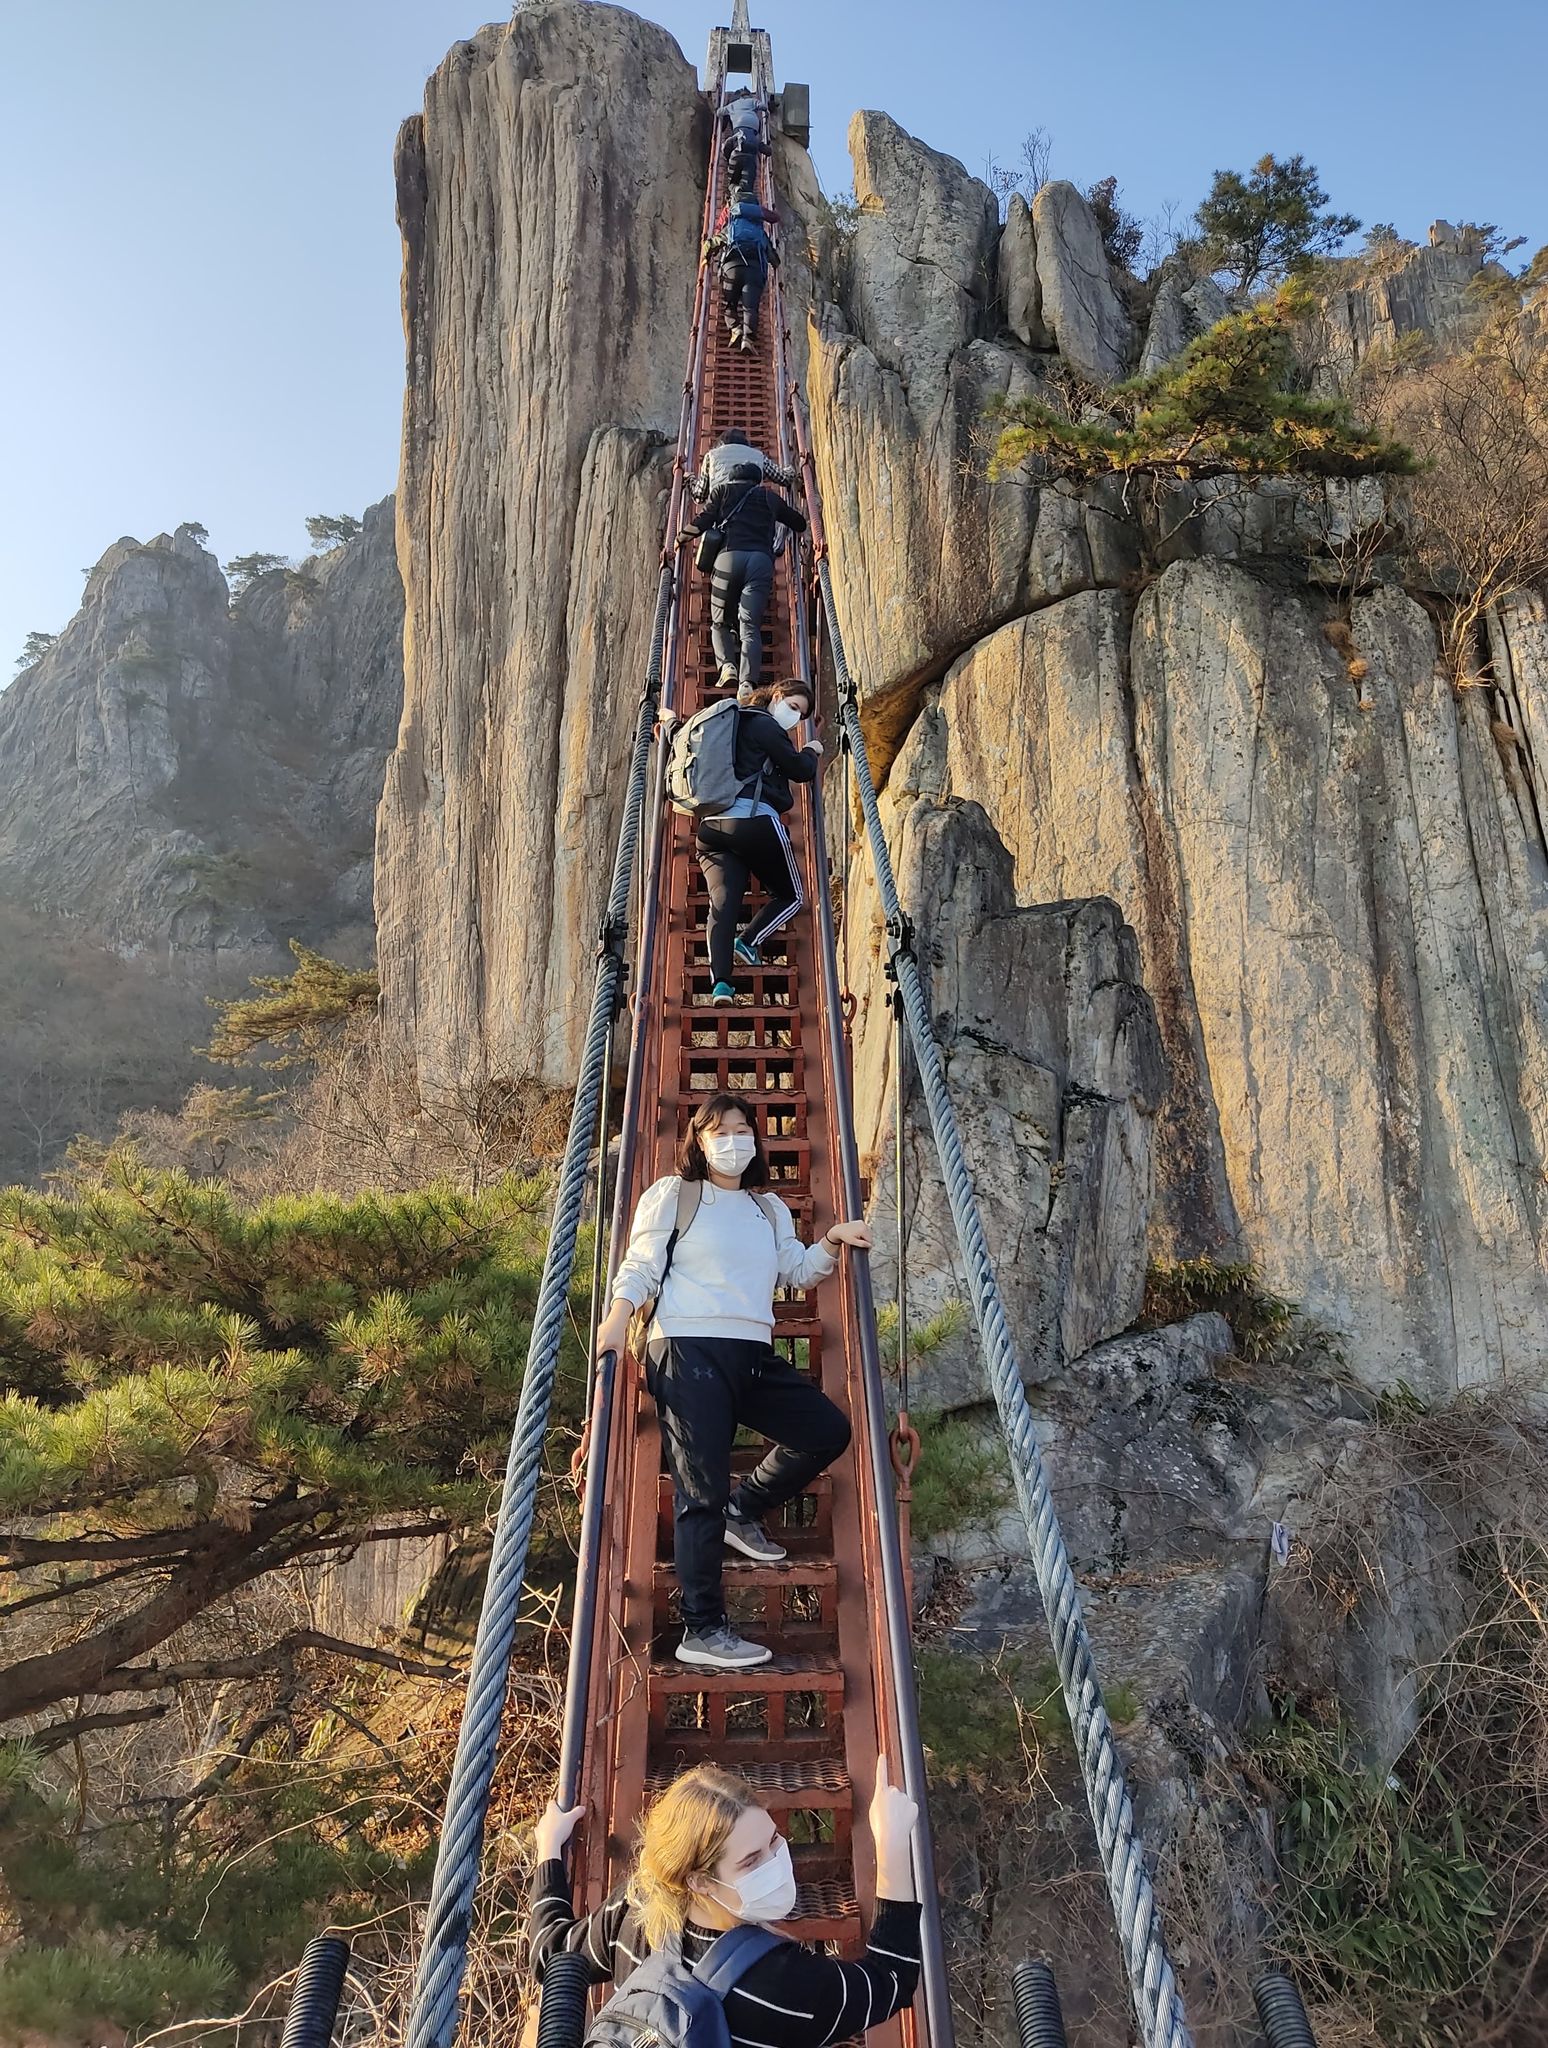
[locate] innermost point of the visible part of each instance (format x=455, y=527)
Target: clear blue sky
x=203, y=267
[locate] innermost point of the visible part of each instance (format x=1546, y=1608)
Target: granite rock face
x=193, y=778
x=1184, y=308
x=557, y=168
x=928, y=554
x=1080, y=302
x=1054, y=1063
x=1021, y=296
x=1430, y=291
x=1342, y=919
x=187, y=781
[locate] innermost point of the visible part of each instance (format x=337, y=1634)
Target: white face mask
x=729, y=1151
x=784, y=713
x=765, y=1894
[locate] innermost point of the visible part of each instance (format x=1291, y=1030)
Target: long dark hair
x=792, y=686
x=691, y=1162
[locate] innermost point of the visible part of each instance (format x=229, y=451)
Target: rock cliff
x=187, y=781
x=1336, y=886
x=1339, y=888
x=193, y=777
x=549, y=198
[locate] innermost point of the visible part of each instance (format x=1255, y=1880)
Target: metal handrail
x=898, y=1690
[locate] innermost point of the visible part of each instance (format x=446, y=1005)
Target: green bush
x=1384, y=1900
x=979, y=1717
x=48, y=1990
x=962, y=1478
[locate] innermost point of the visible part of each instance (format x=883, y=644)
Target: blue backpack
x=666, y=2004
x=746, y=236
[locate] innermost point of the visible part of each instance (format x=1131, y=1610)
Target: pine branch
x=80, y=1668
x=58, y=1733
x=259, y=1663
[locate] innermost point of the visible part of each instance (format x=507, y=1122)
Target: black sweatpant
x=741, y=585
x=730, y=850
x=704, y=1388
x=741, y=286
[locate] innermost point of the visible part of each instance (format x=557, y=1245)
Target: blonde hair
x=683, y=1836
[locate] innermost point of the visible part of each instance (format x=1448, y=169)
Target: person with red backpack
x=689, y=1940
x=707, y=1248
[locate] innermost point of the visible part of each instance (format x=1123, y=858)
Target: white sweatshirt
x=725, y=1267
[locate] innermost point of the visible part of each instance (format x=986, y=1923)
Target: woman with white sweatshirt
x=709, y=1250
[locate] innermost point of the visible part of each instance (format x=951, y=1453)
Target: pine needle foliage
x=298, y=1014
x=1225, y=408
x=1258, y=228
x=197, y=1392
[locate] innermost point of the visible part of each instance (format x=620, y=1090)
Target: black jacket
x=795, y=1997
x=745, y=513
x=762, y=742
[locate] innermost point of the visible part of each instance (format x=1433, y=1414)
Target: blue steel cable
x=1153, y=1986
x=448, y=1920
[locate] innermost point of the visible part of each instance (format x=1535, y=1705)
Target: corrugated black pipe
x=319, y=1987
x=562, y=2009
x=1039, y=2018
x=1281, y=2011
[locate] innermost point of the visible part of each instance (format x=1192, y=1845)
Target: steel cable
x=1152, y=1983
x=448, y=1920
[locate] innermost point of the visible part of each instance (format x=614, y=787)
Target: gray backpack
x=665, y=2004
x=701, y=777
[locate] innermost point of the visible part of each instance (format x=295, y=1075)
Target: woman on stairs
x=743, y=513
x=711, y=1859
x=750, y=838
x=707, y=1249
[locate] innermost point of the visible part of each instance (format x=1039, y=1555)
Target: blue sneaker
x=722, y=992
x=748, y=955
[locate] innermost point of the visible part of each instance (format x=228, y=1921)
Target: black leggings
x=730, y=850
x=741, y=584
x=704, y=1388
x=741, y=285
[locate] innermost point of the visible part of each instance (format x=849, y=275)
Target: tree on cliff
x=331, y=530
x=1223, y=409
x=1261, y=228
x=244, y=569
x=34, y=647
x=202, y=1395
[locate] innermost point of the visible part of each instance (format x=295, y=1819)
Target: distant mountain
x=188, y=780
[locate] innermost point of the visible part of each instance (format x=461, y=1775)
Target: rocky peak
x=923, y=261
x=185, y=773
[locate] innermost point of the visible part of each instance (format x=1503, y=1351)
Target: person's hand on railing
x=613, y=1330
x=893, y=1815
x=554, y=1829
x=856, y=1234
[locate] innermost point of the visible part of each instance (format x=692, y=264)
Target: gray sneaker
x=720, y=1649
x=747, y=1536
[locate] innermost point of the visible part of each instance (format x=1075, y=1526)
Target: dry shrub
x=1469, y=1788
x=356, y=1121
x=1479, y=506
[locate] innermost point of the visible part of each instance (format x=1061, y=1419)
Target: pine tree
x=242, y=570
x=297, y=1013
x=331, y=529
x=1259, y=229
x=34, y=647
x=1223, y=409
x=202, y=1393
